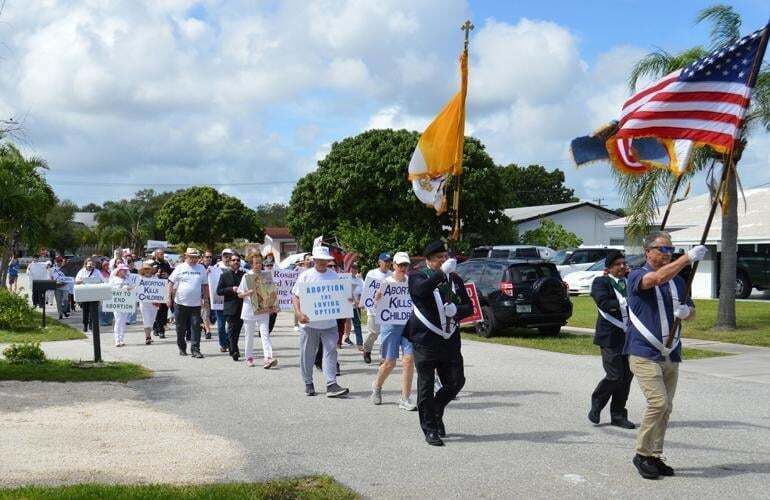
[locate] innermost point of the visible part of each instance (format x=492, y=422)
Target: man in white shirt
x=313, y=332
x=88, y=274
x=187, y=288
x=383, y=271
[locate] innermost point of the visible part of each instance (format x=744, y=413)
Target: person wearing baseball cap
x=376, y=276
x=439, y=303
x=319, y=331
x=186, y=285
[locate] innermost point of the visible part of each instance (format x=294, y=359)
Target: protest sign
x=395, y=305
x=264, y=294
x=371, y=285
x=470, y=288
x=92, y=280
x=284, y=280
x=217, y=301
x=152, y=290
x=326, y=299
x=123, y=300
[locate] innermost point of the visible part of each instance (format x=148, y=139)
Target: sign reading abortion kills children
x=284, y=280
x=152, y=290
x=371, y=285
x=395, y=305
x=327, y=299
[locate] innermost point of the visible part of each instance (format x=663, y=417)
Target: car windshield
x=559, y=257
x=530, y=272
x=598, y=266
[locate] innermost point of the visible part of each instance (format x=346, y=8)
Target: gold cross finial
x=467, y=27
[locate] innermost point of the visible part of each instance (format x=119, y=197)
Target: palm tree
x=645, y=193
x=123, y=223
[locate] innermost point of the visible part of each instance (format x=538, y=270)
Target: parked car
x=518, y=292
x=510, y=252
x=580, y=282
x=583, y=258
x=560, y=256
x=753, y=272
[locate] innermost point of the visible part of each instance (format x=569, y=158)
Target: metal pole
x=95, y=332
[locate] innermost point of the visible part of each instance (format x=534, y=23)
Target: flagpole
x=726, y=171
x=671, y=202
x=454, y=238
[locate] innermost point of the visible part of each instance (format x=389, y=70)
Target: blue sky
x=248, y=96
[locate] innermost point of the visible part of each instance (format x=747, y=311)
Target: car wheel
x=550, y=331
x=487, y=326
x=742, y=286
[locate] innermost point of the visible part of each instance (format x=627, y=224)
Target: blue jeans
x=221, y=331
x=357, y=326
x=105, y=317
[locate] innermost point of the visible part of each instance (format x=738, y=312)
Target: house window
x=617, y=241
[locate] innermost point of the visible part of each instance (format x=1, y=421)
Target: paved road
x=518, y=429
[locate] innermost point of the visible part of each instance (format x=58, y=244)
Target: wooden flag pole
x=726, y=172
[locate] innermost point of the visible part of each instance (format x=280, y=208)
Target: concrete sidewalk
x=750, y=363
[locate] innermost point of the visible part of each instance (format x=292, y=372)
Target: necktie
x=622, y=286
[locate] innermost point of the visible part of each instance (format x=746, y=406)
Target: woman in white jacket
x=149, y=309
x=258, y=316
x=120, y=279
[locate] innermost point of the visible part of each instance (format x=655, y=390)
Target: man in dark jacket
x=440, y=302
x=163, y=271
x=228, y=288
x=609, y=293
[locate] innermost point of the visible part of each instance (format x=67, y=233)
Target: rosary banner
x=284, y=280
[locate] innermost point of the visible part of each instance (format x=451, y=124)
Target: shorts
x=391, y=339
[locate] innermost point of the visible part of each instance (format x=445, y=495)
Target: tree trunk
x=729, y=260
x=5, y=257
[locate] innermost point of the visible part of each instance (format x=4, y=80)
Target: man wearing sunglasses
x=656, y=298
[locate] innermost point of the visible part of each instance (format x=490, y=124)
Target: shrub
x=27, y=352
x=15, y=312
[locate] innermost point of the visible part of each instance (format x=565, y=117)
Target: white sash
x=623, y=312
x=441, y=315
x=657, y=344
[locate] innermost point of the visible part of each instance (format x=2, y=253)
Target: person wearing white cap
x=320, y=331
x=186, y=285
x=119, y=280
x=392, y=341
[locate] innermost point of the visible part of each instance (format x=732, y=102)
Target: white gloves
x=449, y=266
x=682, y=311
x=696, y=253
x=450, y=310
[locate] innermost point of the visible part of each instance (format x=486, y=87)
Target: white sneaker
x=376, y=395
x=407, y=404
x=296, y=328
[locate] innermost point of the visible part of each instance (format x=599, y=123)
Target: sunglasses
x=664, y=249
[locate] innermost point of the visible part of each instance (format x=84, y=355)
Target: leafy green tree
x=533, y=185
x=25, y=199
x=204, y=215
x=360, y=193
x=273, y=214
x=552, y=235
x=91, y=207
x=644, y=194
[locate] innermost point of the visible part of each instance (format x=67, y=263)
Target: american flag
x=704, y=102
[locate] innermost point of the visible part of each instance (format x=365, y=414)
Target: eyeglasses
x=664, y=249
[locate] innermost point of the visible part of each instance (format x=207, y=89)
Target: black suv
x=521, y=293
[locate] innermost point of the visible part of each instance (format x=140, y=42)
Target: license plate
x=523, y=308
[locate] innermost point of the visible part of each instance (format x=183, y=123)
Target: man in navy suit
x=609, y=293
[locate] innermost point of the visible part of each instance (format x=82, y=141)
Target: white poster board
x=123, y=300
x=152, y=290
x=217, y=301
x=284, y=280
x=371, y=285
x=326, y=299
x=395, y=306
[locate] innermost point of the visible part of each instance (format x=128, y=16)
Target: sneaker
x=208, y=336
x=197, y=355
x=250, y=362
x=407, y=404
x=309, y=390
x=646, y=466
x=273, y=363
x=335, y=391
x=223, y=349
x=663, y=469
x=183, y=352
x=376, y=395
x=268, y=363
x=296, y=328
x=161, y=335
x=348, y=342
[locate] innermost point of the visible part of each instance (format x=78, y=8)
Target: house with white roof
x=688, y=218
x=585, y=219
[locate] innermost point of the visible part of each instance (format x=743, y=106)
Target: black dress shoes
x=623, y=422
x=433, y=439
x=441, y=428
x=646, y=466
x=663, y=469
x=197, y=355
x=182, y=352
x=593, y=415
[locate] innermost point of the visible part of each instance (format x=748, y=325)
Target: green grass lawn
x=315, y=487
x=564, y=342
x=54, y=330
x=67, y=370
x=753, y=321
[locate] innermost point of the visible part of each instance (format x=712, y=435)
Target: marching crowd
x=638, y=325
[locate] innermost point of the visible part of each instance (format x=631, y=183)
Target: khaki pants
x=373, y=331
x=658, y=383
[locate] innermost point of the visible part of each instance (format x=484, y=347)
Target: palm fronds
x=725, y=24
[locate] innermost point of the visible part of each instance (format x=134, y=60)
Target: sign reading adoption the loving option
x=470, y=288
x=395, y=305
x=284, y=280
x=371, y=285
x=326, y=299
x=152, y=290
x=123, y=300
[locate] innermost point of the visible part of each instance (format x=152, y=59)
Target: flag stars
x=740, y=75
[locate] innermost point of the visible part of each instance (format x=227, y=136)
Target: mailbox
x=39, y=287
x=93, y=292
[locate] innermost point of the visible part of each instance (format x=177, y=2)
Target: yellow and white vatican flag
x=439, y=152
